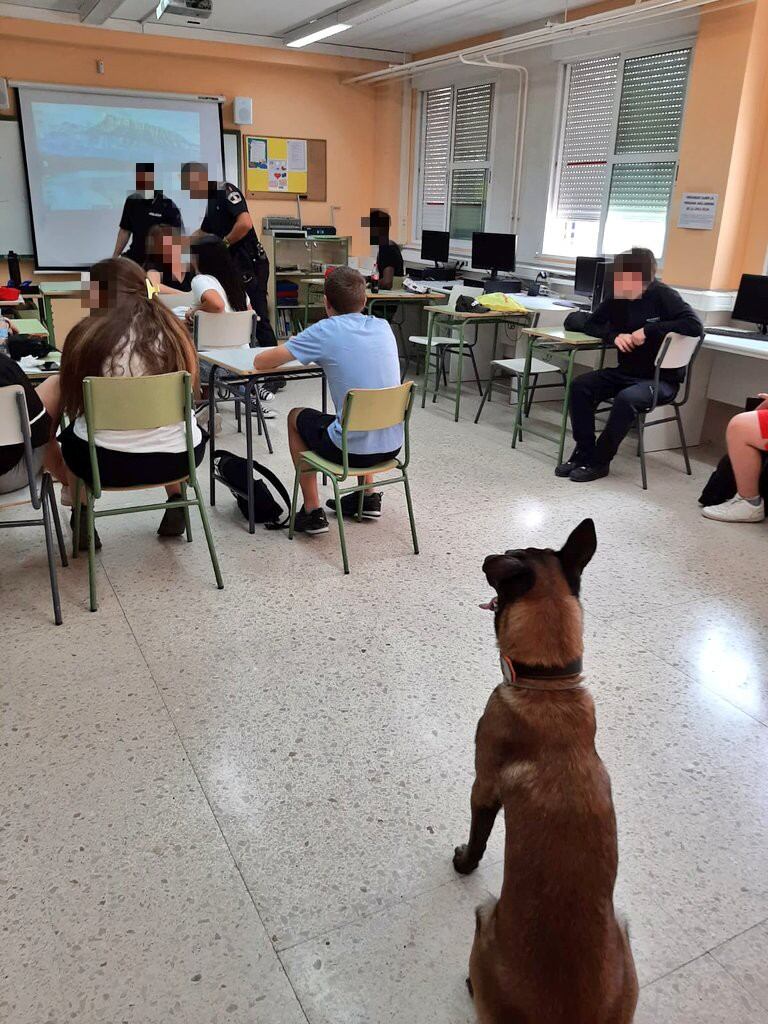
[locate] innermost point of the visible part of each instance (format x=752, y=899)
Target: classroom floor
x=241, y=806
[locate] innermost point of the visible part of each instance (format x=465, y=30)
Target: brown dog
x=550, y=950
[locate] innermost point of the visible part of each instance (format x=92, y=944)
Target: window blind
x=652, y=102
x=643, y=189
x=587, y=138
x=438, y=108
x=472, y=130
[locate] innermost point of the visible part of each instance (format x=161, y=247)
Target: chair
x=14, y=429
x=364, y=410
x=227, y=330
x=515, y=368
x=137, y=403
x=442, y=346
x=678, y=352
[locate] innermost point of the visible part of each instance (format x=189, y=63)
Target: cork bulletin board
x=278, y=168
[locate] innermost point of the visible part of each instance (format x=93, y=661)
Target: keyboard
x=730, y=332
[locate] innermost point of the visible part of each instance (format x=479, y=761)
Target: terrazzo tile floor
x=241, y=806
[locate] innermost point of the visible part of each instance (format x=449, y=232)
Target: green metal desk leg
x=427, y=357
x=493, y=350
x=523, y=393
x=49, y=319
x=566, y=404
x=460, y=370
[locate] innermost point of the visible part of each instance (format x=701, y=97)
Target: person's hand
x=189, y=316
x=638, y=337
x=764, y=403
x=12, y=328
x=624, y=342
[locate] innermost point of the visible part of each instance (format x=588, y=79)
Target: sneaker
x=737, y=510
x=173, y=523
x=586, y=474
x=275, y=384
x=565, y=469
x=82, y=544
x=266, y=412
x=313, y=522
x=371, y=506
x=266, y=394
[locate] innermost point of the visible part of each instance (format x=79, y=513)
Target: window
x=455, y=164
x=618, y=154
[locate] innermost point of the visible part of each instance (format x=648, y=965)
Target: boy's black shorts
x=313, y=428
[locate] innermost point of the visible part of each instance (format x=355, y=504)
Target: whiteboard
x=15, y=228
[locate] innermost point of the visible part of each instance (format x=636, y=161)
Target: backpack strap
x=276, y=482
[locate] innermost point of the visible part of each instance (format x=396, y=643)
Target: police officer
x=227, y=216
x=143, y=209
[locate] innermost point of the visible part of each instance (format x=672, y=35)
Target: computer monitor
x=593, y=278
x=435, y=246
x=492, y=251
x=752, y=301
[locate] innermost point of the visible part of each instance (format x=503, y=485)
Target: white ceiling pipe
x=522, y=111
x=551, y=33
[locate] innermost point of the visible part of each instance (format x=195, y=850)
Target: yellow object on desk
x=501, y=302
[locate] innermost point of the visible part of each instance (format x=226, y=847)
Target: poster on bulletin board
x=278, y=167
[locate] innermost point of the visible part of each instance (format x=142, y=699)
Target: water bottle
x=14, y=270
x=375, y=281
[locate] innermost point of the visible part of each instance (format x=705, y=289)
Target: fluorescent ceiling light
x=310, y=34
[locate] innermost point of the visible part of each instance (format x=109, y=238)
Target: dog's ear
x=577, y=552
x=509, y=576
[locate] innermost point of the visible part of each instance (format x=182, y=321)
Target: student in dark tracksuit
x=637, y=319
x=227, y=216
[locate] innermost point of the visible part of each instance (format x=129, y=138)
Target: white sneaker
x=737, y=510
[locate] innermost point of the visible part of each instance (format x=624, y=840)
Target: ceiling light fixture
x=314, y=32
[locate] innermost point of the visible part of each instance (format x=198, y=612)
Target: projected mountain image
x=88, y=154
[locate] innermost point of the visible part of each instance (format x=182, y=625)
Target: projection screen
x=81, y=151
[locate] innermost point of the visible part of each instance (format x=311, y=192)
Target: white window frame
x=613, y=157
x=457, y=244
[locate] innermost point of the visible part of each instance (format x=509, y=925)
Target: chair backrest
x=174, y=301
x=376, y=409
x=11, y=431
x=462, y=289
x=14, y=429
x=224, y=330
x=678, y=352
x=134, y=403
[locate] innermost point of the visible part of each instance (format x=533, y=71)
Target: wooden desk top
x=29, y=326
x=563, y=337
x=61, y=289
x=240, y=361
x=401, y=295
x=505, y=314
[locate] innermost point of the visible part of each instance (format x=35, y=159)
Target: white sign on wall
x=698, y=210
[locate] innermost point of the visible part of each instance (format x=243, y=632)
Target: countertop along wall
x=294, y=94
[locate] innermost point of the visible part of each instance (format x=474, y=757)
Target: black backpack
x=233, y=469
x=721, y=486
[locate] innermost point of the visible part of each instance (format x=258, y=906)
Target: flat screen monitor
x=435, y=246
x=752, y=301
x=492, y=251
x=593, y=278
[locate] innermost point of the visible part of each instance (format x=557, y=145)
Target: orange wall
x=294, y=94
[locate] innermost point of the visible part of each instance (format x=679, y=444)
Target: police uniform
x=225, y=204
x=140, y=214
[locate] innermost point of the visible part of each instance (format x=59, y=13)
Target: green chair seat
x=334, y=469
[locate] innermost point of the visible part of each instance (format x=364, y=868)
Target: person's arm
x=272, y=358
x=240, y=228
x=10, y=325
x=123, y=237
x=596, y=325
x=211, y=302
x=675, y=317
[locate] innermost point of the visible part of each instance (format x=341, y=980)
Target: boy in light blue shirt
x=356, y=351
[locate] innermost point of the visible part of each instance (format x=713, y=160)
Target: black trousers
x=255, y=278
x=630, y=394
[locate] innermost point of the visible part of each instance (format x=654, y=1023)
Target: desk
x=554, y=340
x=399, y=297
x=450, y=318
x=736, y=346
x=31, y=327
x=238, y=362
x=50, y=290
x=33, y=367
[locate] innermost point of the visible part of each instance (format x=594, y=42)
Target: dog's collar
x=515, y=671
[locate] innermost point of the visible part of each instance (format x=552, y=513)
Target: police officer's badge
x=235, y=197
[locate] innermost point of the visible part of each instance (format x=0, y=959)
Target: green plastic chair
x=137, y=403
x=364, y=410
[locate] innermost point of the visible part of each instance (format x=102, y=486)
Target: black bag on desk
x=20, y=345
x=467, y=304
x=233, y=469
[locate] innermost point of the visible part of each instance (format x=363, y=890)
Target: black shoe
x=82, y=544
x=275, y=384
x=173, y=523
x=371, y=506
x=586, y=474
x=565, y=468
x=313, y=522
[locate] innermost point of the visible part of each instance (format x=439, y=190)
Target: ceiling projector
x=185, y=12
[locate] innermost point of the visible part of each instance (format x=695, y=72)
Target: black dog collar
x=514, y=671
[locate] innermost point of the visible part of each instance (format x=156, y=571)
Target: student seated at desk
x=127, y=334
x=355, y=351
x=13, y=468
x=389, y=258
x=637, y=319
x=165, y=260
x=747, y=438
